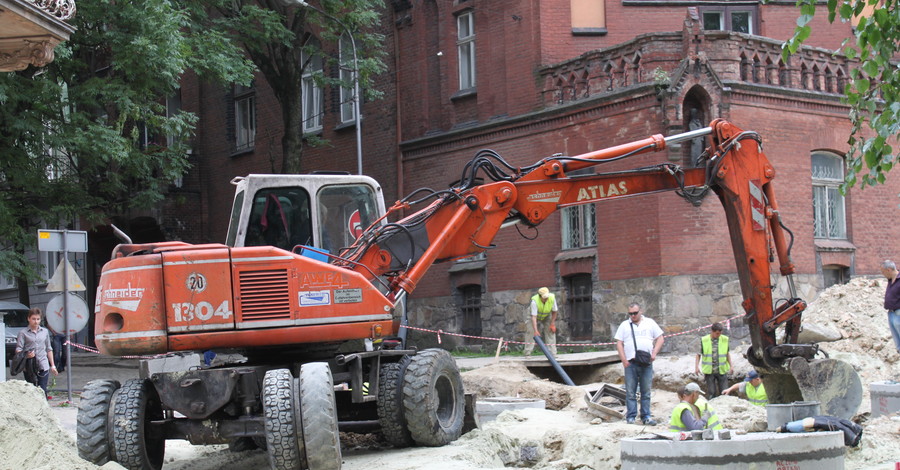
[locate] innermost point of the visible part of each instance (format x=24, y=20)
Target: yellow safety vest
x=704, y=407
x=757, y=395
x=544, y=307
x=675, y=422
x=706, y=360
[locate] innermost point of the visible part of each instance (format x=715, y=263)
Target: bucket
x=778, y=415
x=805, y=409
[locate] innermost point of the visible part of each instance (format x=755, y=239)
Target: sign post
x=65, y=241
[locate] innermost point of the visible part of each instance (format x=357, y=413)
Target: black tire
x=280, y=420
x=92, y=428
x=135, y=405
x=319, y=417
x=390, y=403
x=433, y=398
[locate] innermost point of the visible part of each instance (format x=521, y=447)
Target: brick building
x=531, y=78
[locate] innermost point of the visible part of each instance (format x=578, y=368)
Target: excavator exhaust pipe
x=832, y=383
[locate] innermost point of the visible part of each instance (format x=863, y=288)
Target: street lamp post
x=357, y=112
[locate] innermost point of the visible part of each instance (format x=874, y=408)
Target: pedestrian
x=35, y=342
x=543, y=311
x=752, y=387
x=707, y=413
x=892, y=299
x=685, y=415
x=716, y=360
x=638, y=341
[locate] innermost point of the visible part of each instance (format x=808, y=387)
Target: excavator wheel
x=319, y=416
x=390, y=403
x=92, y=430
x=135, y=406
x=283, y=435
x=832, y=383
x=433, y=398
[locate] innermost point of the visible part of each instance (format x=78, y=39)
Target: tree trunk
x=292, y=141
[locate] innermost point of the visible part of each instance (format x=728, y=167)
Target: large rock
x=815, y=333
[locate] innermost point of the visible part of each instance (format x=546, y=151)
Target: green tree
x=275, y=32
x=71, y=133
x=873, y=92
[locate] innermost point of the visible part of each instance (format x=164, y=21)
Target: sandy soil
x=563, y=436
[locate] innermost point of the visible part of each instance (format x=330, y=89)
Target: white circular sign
x=78, y=314
x=196, y=282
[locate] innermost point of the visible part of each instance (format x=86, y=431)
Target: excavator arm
x=464, y=220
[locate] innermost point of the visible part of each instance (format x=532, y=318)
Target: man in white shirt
x=638, y=333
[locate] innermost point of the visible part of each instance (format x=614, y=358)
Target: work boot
x=629, y=421
x=650, y=422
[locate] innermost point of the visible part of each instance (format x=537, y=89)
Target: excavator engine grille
x=265, y=295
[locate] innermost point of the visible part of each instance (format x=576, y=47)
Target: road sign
x=55, y=284
x=78, y=314
x=52, y=240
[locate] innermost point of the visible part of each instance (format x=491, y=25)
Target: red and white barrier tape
x=508, y=342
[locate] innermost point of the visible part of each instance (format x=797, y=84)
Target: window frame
x=470, y=310
x=579, y=303
x=312, y=95
x=726, y=11
x=347, y=75
x=244, y=110
x=465, y=49
x=586, y=217
x=830, y=187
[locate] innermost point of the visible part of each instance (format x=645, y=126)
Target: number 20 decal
x=203, y=311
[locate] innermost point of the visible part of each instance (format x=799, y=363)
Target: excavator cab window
x=344, y=212
x=280, y=217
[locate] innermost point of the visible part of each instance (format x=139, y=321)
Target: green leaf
x=871, y=68
x=862, y=85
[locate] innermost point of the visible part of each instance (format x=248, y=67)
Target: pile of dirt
x=512, y=379
x=856, y=311
x=30, y=435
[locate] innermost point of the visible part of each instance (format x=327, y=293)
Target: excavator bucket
x=832, y=383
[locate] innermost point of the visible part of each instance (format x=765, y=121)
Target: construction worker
x=716, y=360
x=543, y=310
x=892, y=299
x=686, y=415
x=706, y=410
x=752, y=387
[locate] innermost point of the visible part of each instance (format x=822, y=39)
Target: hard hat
x=692, y=387
x=544, y=292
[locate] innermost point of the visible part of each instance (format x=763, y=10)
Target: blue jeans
x=894, y=323
x=638, y=375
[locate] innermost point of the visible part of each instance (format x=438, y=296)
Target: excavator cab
x=326, y=212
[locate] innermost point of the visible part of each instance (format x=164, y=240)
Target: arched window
x=829, y=216
x=313, y=96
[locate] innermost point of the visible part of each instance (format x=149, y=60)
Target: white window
x=313, y=96
x=579, y=227
x=465, y=44
x=348, y=77
x=829, y=219
x=244, y=117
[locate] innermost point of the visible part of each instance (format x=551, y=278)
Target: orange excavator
x=309, y=289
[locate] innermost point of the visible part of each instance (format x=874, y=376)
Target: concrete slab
x=805, y=451
x=885, y=397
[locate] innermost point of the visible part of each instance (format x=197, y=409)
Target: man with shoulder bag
x=638, y=341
